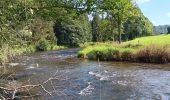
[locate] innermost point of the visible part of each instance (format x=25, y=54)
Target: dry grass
x=153, y=54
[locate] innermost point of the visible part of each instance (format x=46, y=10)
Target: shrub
x=153, y=54
x=42, y=45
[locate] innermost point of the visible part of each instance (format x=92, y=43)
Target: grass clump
x=106, y=53
x=103, y=53
x=127, y=54
x=153, y=54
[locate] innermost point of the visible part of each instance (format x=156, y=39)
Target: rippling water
x=90, y=80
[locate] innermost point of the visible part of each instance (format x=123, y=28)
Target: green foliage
x=119, y=10
x=72, y=32
x=137, y=26
x=24, y=22
x=42, y=45
x=127, y=27
x=102, y=29
x=95, y=27
x=8, y=52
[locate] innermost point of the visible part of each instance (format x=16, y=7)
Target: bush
x=42, y=45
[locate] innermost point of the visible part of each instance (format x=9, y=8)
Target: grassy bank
x=152, y=49
x=8, y=52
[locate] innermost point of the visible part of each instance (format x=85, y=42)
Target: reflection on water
x=86, y=80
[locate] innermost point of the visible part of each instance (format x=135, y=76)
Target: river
x=80, y=79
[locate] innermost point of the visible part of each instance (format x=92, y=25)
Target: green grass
x=105, y=52
x=159, y=40
x=151, y=49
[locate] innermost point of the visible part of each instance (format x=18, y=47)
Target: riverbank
x=7, y=53
x=152, y=49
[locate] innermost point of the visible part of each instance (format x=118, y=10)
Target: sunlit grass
x=154, y=49
x=159, y=40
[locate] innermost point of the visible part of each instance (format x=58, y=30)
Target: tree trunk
x=119, y=30
x=119, y=37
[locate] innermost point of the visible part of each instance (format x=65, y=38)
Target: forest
x=36, y=25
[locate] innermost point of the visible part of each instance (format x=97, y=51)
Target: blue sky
x=158, y=11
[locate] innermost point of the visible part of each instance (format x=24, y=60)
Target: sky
x=158, y=11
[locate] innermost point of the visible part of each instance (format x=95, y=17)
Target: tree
x=137, y=26
x=168, y=29
x=102, y=29
x=72, y=32
x=95, y=27
x=120, y=11
x=160, y=29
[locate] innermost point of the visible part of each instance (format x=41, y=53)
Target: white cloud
x=142, y=1
x=168, y=14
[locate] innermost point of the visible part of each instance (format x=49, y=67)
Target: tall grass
x=153, y=54
x=150, y=49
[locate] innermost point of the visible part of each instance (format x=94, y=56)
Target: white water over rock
x=87, y=91
x=13, y=64
x=102, y=77
x=32, y=66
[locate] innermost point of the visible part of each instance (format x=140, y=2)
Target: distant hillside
x=161, y=29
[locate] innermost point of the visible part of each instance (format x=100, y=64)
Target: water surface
x=80, y=79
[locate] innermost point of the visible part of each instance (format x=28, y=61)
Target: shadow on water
x=88, y=80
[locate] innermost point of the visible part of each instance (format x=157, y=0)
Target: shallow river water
x=79, y=79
